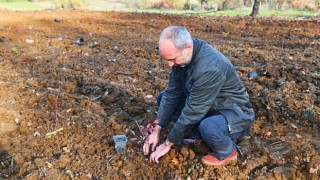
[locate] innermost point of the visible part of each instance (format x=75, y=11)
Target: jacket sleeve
x=203, y=92
x=170, y=98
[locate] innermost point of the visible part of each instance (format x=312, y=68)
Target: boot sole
x=232, y=161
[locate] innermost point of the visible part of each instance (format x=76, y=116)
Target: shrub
x=164, y=4
x=308, y=113
x=67, y=3
x=305, y=4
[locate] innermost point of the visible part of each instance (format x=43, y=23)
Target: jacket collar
x=195, y=51
x=197, y=43
x=196, y=48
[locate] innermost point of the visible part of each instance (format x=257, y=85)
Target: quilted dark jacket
x=211, y=85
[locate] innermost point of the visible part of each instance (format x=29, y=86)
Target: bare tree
x=247, y=3
x=255, y=8
x=203, y=2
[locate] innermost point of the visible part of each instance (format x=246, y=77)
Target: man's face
x=172, y=55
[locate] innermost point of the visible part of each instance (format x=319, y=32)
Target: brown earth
x=108, y=86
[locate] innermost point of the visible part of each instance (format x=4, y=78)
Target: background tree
x=255, y=8
x=247, y=3
x=203, y=2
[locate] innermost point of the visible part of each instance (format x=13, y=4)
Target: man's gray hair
x=178, y=35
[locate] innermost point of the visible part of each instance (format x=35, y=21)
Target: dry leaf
x=298, y=136
x=49, y=164
x=175, y=161
x=294, y=126
x=269, y=133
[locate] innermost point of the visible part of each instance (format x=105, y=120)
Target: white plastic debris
x=149, y=96
x=314, y=170
x=120, y=142
x=60, y=38
x=36, y=134
x=17, y=120
x=29, y=41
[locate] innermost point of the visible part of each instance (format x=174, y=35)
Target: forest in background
x=196, y=5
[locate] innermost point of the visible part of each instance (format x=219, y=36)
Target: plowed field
x=108, y=86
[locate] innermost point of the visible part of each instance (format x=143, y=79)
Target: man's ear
x=188, y=46
x=189, y=49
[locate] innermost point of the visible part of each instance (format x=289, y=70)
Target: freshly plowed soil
x=108, y=86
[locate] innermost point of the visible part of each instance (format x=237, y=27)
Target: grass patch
x=267, y=13
x=290, y=13
x=101, y=5
x=21, y=6
x=316, y=74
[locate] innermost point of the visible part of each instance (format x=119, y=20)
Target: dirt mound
x=106, y=83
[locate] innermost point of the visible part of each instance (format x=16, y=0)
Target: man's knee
x=204, y=129
x=213, y=128
x=214, y=122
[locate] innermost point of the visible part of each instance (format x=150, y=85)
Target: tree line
x=196, y=5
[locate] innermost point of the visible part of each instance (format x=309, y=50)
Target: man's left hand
x=160, y=151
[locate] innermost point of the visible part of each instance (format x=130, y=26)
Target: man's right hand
x=153, y=140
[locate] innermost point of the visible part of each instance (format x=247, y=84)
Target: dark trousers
x=213, y=129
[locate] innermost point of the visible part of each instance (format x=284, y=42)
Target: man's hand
x=160, y=151
x=153, y=140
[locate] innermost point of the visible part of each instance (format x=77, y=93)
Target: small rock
x=119, y=163
x=79, y=41
x=39, y=162
x=23, y=127
x=84, y=102
x=294, y=126
x=17, y=120
x=78, y=67
x=27, y=154
x=111, y=96
x=192, y=154
x=252, y=75
x=135, y=109
x=33, y=175
x=66, y=150
x=185, y=152
x=69, y=87
x=54, y=174
x=34, y=83
x=49, y=164
x=298, y=136
x=19, y=160
x=117, y=127
x=64, y=160
x=273, y=72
